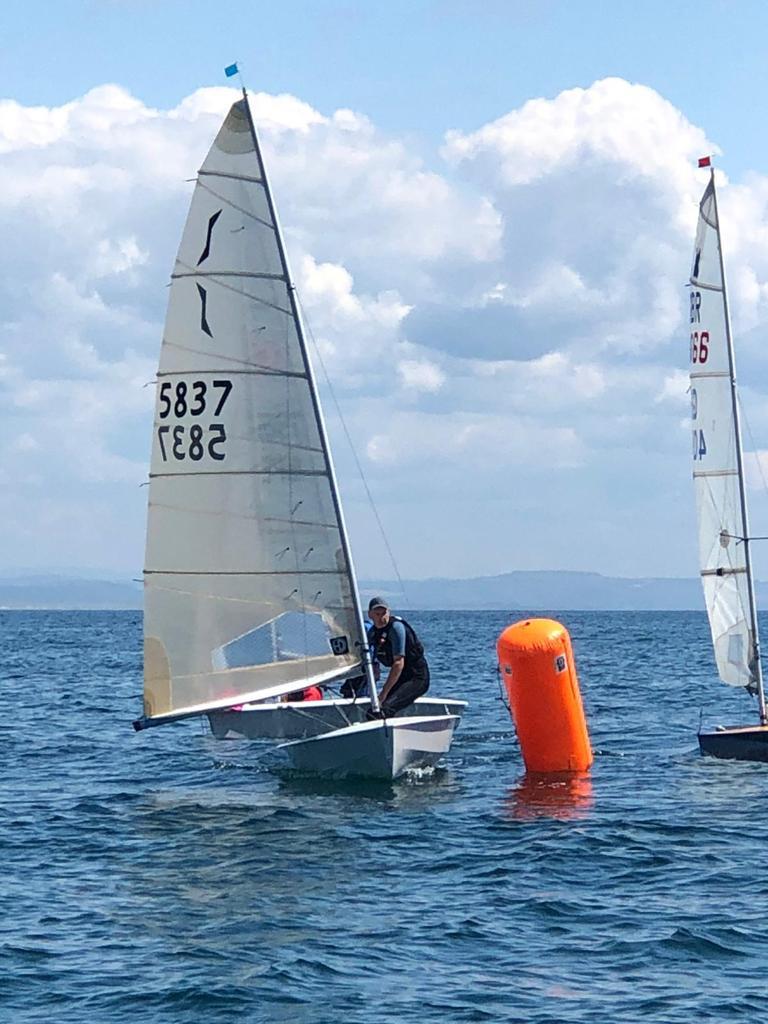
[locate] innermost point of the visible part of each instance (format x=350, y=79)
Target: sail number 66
x=699, y=346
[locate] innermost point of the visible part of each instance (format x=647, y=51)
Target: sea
x=166, y=876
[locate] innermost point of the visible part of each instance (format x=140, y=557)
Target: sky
x=489, y=210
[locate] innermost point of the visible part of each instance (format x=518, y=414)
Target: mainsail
x=717, y=463
x=249, y=590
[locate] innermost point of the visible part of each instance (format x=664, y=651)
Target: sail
x=248, y=593
x=716, y=459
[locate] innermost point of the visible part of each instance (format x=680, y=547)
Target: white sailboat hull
x=381, y=749
x=302, y=719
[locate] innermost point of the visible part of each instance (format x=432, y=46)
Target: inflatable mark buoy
x=539, y=673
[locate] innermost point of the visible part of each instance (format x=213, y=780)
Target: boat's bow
x=381, y=749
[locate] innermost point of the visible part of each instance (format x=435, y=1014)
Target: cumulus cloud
x=493, y=442
x=597, y=191
x=508, y=318
x=93, y=195
x=421, y=375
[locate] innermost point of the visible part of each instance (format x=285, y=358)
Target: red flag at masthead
x=705, y=161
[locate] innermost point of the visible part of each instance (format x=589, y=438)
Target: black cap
x=377, y=602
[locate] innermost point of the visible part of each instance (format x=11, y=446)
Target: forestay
x=248, y=592
x=723, y=555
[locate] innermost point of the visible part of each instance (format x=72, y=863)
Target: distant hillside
x=524, y=591
x=511, y=591
x=66, y=592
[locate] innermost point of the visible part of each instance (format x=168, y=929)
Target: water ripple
x=167, y=877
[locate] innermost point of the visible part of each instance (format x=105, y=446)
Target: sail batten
x=213, y=274
x=247, y=572
x=717, y=461
x=233, y=177
x=242, y=501
x=723, y=572
x=246, y=472
x=257, y=371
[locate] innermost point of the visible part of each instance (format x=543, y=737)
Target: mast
x=756, y=663
x=366, y=652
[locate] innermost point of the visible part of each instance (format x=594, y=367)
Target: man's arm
x=394, y=675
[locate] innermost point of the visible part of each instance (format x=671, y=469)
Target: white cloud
x=472, y=440
x=675, y=387
x=504, y=321
x=421, y=375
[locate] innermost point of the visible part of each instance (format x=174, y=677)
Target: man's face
x=379, y=616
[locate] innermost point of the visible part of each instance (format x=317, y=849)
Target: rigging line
x=348, y=436
x=317, y=718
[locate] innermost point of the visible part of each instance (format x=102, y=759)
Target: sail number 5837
x=179, y=444
x=182, y=398
x=699, y=346
x=194, y=441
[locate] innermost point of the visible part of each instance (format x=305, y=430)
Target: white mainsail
x=717, y=464
x=248, y=583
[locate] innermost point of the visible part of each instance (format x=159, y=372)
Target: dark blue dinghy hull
x=737, y=743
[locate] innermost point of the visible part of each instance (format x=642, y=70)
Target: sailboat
x=721, y=500
x=249, y=585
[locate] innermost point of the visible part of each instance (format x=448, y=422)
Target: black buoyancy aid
x=381, y=642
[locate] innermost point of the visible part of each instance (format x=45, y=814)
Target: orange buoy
x=539, y=673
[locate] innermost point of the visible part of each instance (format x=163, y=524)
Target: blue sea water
x=168, y=877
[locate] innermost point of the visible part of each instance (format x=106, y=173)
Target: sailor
x=310, y=693
x=397, y=647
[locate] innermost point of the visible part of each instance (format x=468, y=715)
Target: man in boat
x=396, y=646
